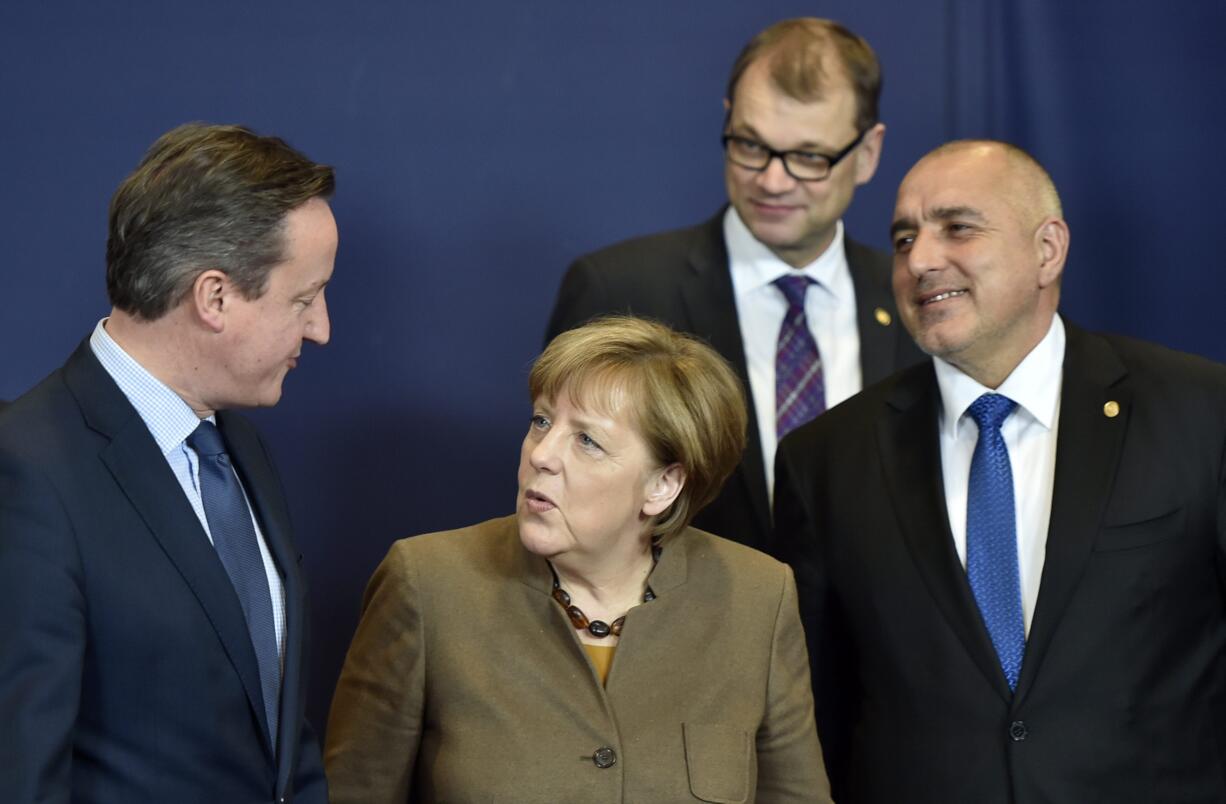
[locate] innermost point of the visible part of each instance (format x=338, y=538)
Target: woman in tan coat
x=592, y=647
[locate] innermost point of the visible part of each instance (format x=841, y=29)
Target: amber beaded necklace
x=597, y=628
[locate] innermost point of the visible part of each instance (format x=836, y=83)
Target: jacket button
x=1017, y=731
x=604, y=757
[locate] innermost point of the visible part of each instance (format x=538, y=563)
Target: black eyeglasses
x=800, y=165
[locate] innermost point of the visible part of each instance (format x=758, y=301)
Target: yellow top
x=602, y=659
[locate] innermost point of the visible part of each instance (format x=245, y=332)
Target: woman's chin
x=536, y=536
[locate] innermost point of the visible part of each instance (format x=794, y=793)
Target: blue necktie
x=234, y=537
x=800, y=392
x=991, y=536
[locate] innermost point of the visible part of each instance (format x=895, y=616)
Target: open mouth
x=538, y=502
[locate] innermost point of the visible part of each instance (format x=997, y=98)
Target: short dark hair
x=204, y=197
x=797, y=49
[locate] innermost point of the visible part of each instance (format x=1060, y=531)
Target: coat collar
x=710, y=305
x=670, y=572
x=1088, y=448
x=878, y=326
x=910, y=451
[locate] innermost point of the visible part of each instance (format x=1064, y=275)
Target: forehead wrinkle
x=957, y=212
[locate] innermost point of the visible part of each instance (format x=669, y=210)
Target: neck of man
x=162, y=349
x=800, y=255
x=994, y=367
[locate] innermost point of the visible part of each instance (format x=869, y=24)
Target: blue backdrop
x=481, y=146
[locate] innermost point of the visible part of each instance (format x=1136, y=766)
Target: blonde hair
x=684, y=399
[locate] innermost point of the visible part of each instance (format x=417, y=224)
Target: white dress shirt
x=830, y=309
x=170, y=421
x=1030, y=436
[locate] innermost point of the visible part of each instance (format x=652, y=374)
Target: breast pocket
x=1139, y=530
x=718, y=760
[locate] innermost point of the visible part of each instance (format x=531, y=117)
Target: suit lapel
x=141, y=471
x=263, y=489
x=911, y=461
x=1087, y=453
x=711, y=307
x=870, y=276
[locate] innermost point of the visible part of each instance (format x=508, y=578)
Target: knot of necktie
x=794, y=287
x=206, y=440
x=990, y=411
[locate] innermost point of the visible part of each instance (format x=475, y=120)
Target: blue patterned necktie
x=229, y=518
x=800, y=394
x=991, y=536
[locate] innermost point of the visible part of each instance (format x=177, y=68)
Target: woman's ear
x=664, y=487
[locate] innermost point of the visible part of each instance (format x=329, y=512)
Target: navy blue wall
x=480, y=146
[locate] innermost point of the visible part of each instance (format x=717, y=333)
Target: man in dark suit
x=1010, y=558
x=801, y=134
x=152, y=614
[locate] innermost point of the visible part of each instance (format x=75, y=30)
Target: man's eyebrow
x=940, y=214
x=747, y=131
x=901, y=224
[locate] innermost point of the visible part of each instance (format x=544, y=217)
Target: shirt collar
x=1034, y=385
x=170, y=420
x=754, y=266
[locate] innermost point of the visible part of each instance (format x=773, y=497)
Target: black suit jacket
x=126, y=670
x=1122, y=695
x=681, y=278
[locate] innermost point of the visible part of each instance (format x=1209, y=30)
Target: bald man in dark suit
x=1010, y=558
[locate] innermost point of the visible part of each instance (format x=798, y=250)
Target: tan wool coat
x=466, y=682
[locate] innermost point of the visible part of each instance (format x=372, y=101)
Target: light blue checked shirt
x=171, y=420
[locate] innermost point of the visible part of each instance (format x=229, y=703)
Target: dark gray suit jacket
x=681, y=278
x=1122, y=696
x=126, y=670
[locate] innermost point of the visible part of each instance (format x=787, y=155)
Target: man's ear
x=664, y=488
x=1051, y=241
x=210, y=298
x=868, y=155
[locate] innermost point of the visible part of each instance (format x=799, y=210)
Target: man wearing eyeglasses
x=802, y=312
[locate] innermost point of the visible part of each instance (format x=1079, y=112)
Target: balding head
x=1030, y=186
x=979, y=247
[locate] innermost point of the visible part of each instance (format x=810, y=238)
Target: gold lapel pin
x=883, y=316
x=1111, y=409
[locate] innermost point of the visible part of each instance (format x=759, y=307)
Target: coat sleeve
x=797, y=540
x=790, y=766
x=42, y=637
x=374, y=729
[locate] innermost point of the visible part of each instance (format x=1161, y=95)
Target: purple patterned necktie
x=799, y=391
